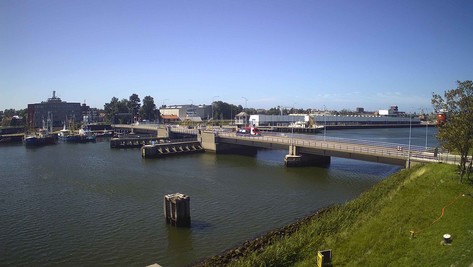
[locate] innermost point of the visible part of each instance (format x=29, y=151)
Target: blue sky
x=307, y=54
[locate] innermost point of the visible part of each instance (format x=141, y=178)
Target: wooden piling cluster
x=177, y=210
x=167, y=149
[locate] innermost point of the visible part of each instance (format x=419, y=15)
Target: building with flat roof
x=328, y=119
x=277, y=120
x=58, y=111
x=187, y=112
x=392, y=111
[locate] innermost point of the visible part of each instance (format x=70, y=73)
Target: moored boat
x=86, y=135
x=64, y=134
x=40, y=138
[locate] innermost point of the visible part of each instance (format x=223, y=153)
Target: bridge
x=313, y=149
x=160, y=130
x=316, y=150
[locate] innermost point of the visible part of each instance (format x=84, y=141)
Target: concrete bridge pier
x=163, y=132
x=209, y=142
x=294, y=159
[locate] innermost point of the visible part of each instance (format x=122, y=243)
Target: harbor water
x=90, y=205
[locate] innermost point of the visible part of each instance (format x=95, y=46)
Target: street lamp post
x=213, y=100
x=164, y=100
x=246, y=102
x=426, y=127
x=292, y=126
x=426, y=134
x=192, y=109
x=325, y=121
x=409, y=146
x=426, y=131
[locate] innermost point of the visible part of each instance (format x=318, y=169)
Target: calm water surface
x=87, y=204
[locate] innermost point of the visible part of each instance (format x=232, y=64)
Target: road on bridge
x=335, y=146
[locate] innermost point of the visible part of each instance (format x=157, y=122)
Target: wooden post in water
x=177, y=210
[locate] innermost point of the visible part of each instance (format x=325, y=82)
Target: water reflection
x=180, y=245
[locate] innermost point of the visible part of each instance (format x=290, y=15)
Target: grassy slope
x=374, y=229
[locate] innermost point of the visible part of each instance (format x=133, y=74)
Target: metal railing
x=183, y=130
x=345, y=145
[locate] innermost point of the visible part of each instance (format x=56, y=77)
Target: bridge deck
x=337, y=147
x=328, y=146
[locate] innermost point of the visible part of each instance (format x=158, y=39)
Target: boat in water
x=43, y=136
x=40, y=138
x=86, y=135
x=66, y=135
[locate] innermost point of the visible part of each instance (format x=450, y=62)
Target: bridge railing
x=183, y=130
x=345, y=145
x=360, y=142
x=136, y=126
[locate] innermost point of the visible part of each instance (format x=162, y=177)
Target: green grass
x=374, y=229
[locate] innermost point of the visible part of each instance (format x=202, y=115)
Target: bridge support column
x=294, y=159
x=209, y=141
x=177, y=210
x=163, y=132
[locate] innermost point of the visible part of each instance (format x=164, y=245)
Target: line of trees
x=131, y=109
x=12, y=117
x=223, y=110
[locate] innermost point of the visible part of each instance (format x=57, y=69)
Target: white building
x=277, y=120
x=189, y=112
x=362, y=120
x=324, y=119
x=392, y=111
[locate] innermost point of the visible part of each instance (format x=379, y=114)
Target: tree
x=250, y=111
x=148, y=109
x=12, y=117
x=9, y=112
x=111, y=109
x=225, y=111
x=115, y=108
x=456, y=132
x=274, y=111
x=134, y=105
x=6, y=121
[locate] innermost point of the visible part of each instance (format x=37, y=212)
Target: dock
x=160, y=150
x=131, y=141
x=11, y=138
